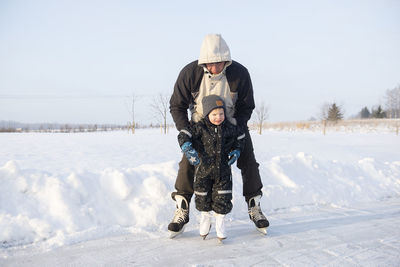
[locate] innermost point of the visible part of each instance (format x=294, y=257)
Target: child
x=212, y=145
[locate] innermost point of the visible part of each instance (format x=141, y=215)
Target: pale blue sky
x=77, y=61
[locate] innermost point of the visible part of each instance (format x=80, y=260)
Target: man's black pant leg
x=248, y=165
x=184, y=180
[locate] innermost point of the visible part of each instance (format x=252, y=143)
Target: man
x=215, y=73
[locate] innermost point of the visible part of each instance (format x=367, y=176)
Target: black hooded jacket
x=187, y=86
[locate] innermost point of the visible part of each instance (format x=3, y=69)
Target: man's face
x=215, y=68
x=217, y=116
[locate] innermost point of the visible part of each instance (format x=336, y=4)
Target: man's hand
x=233, y=156
x=190, y=153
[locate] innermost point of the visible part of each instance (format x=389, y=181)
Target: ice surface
x=104, y=199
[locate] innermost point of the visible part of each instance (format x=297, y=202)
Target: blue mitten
x=233, y=156
x=190, y=153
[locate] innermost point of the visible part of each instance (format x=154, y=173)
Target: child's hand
x=190, y=153
x=233, y=156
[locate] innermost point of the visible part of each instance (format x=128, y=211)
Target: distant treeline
x=350, y=126
x=13, y=126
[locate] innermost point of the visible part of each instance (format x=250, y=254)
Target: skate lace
x=256, y=214
x=179, y=216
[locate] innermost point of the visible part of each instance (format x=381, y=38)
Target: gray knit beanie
x=212, y=102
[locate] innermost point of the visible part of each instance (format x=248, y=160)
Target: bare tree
x=261, y=116
x=393, y=102
x=324, y=111
x=160, y=106
x=132, y=125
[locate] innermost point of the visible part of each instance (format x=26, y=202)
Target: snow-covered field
x=103, y=199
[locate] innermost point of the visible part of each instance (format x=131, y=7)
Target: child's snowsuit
x=213, y=176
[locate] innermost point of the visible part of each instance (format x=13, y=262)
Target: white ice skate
x=220, y=227
x=205, y=224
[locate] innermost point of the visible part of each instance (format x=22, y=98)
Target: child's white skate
x=205, y=224
x=220, y=227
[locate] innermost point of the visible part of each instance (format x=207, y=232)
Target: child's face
x=216, y=116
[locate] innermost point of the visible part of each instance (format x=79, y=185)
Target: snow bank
x=63, y=200
x=38, y=206
x=299, y=180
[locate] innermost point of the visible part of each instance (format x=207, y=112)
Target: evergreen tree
x=378, y=113
x=365, y=114
x=334, y=113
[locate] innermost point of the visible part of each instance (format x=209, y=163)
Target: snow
x=101, y=199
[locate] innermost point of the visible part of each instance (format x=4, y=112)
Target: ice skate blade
x=221, y=240
x=262, y=230
x=174, y=234
x=204, y=236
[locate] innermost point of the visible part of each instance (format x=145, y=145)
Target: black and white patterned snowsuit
x=213, y=176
